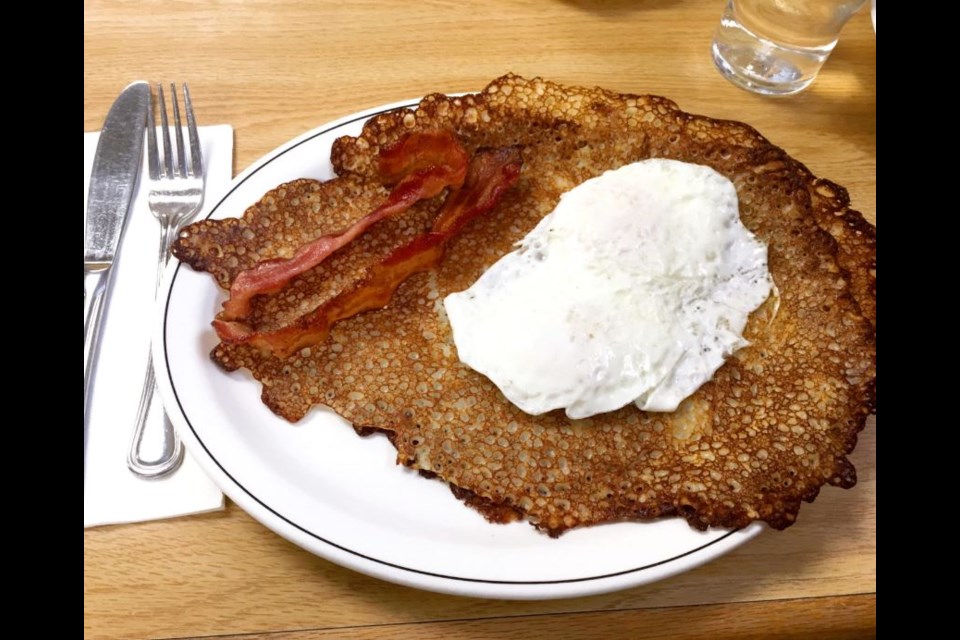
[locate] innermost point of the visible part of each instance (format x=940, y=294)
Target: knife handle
x=95, y=279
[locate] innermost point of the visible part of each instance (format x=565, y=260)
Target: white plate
x=343, y=497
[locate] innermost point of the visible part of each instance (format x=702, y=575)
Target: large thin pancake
x=773, y=425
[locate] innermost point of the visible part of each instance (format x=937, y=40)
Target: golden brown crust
x=774, y=424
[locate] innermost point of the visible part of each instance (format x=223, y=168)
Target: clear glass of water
x=776, y=47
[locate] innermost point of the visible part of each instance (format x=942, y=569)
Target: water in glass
x=776, y=47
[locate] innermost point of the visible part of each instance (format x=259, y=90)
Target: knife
x=116, y=166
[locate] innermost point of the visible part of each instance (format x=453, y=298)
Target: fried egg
x=634, y=289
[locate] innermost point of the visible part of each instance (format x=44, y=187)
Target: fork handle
x=95, y=280
x=171, y=454
x=168, y=233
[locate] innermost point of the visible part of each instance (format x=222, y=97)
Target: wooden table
x=276, y=68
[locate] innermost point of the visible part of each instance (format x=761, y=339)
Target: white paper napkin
x=111, y=493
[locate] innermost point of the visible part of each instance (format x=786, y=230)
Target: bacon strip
x=491, y=173
x=418, y=151
x=421, y=165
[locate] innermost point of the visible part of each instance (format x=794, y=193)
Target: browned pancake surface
x=773, y=425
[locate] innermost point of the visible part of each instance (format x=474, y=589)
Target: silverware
x=176, y=194
x=112, y=182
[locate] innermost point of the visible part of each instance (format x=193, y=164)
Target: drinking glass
x=776, y=47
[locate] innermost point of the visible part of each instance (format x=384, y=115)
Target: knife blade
x=116, y=167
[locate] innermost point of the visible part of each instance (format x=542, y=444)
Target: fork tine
x=153, y=154
x=167, y=151
x=178, y=131
x=195, y=154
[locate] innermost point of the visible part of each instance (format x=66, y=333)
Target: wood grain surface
x=274, y=69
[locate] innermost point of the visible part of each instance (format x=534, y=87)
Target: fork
x=175, y=196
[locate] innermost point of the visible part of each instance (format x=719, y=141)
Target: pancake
x=775, y=423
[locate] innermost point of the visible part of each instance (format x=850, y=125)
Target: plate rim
x=361, y=562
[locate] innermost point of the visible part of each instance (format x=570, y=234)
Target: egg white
x=634, y=289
